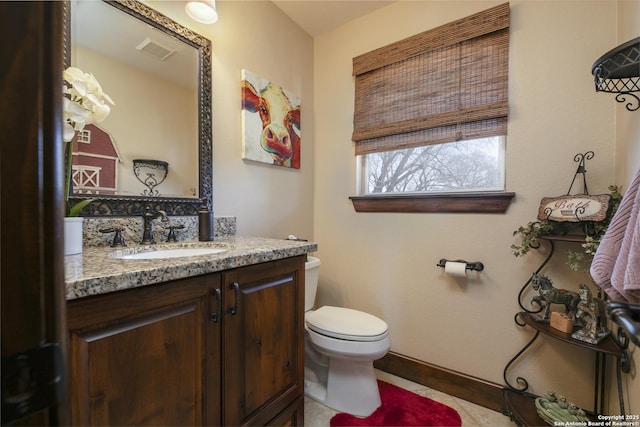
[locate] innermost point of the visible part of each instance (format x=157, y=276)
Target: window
x=430, y=114
x=473, y=165
x=84, y=136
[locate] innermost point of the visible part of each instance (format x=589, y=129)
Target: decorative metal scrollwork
x=632, y=105
x=522, y=383
x=627, y=317
x=581, y=159
x=552, y=248
x=145, y=171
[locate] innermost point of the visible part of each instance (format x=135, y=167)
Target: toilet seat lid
x=347, y=324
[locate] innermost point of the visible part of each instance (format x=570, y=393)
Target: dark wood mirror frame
x=133, y=205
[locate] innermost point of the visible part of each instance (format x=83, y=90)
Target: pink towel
x=616, y=264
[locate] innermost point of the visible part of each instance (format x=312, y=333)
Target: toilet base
x=351, y=387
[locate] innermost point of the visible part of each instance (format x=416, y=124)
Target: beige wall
x=386, y=263
x=267, y=200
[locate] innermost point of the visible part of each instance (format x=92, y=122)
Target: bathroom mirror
x=138, y=126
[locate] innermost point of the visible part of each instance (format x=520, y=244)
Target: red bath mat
x=402, y=408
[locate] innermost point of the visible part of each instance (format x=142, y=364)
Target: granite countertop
x=95, y=272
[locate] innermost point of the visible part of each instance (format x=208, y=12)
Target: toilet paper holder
x=477, y=266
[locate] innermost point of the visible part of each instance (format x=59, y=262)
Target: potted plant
x=84, y=103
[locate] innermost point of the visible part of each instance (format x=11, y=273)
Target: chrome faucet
x=147, y=232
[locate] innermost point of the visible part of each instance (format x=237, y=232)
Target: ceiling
x=319, y=16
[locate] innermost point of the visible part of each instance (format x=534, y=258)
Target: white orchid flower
x=99, y=109
x=100, y=112
x=68, y=132
x=85, y=102
x=73, y=73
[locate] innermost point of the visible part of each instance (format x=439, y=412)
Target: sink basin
x=170, y=253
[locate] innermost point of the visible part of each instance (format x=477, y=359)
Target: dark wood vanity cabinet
x=219, y=349
x=263, y=363
x=145, y=356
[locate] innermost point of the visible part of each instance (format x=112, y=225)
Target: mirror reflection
x=153, y=79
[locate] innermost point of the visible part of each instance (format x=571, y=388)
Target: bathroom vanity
x=208, y=339
x=203, y=340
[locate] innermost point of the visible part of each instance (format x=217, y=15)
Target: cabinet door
x=293, y=415
x=263, y=369
x=142, y=357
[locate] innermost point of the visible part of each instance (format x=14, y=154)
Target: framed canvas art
x=270, y=122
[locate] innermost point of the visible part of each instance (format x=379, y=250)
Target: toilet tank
x=312, y=268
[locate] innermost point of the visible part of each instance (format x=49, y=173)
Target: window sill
x=435, y=203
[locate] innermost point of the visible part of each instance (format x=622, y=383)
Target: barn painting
x=95, y=161
x=270, y=122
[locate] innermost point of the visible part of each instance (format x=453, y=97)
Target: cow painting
x=271, y=123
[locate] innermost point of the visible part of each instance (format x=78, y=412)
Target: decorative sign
x=574, y=208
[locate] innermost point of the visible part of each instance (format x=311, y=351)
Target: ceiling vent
x=155, y=49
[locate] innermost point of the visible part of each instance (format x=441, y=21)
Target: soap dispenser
x=205, y=223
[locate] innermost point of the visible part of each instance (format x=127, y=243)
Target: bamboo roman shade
x=446, y=84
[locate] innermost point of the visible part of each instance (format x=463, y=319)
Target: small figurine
x=550, y=295
x=591, y=315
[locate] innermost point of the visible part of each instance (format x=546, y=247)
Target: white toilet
x=340, y=347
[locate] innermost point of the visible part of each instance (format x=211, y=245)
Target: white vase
x=73, y=235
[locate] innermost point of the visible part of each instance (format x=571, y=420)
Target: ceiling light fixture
x=203, y=11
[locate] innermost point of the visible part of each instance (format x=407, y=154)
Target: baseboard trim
x=472, y=389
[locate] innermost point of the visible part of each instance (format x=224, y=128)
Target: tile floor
x=318, y=415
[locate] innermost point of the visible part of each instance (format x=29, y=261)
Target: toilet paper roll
x=456, y=269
